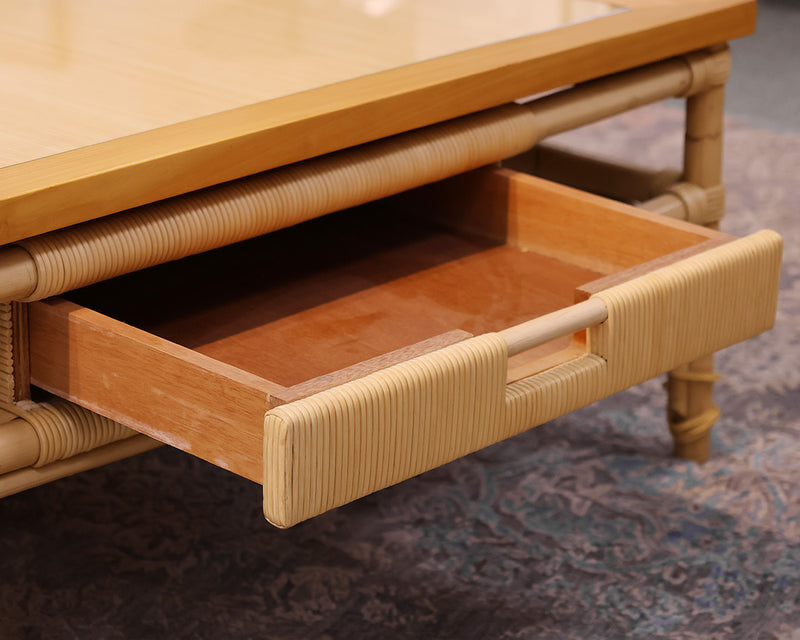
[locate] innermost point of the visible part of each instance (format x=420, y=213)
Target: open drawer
x=348, y=353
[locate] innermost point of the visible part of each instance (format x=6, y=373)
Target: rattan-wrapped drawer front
x=343, y=355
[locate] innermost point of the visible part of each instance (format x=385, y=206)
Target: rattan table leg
x=691, y=411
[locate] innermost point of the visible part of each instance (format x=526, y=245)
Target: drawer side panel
x=182, y=398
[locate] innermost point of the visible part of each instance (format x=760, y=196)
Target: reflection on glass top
x=79, y=72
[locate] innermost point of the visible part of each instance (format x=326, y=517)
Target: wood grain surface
x=327, y=294
x=554, y=220
x=192, y=402
x=166, y=132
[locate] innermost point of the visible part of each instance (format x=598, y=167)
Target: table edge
x=87, y=183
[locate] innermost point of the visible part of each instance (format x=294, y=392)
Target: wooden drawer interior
x=193, y=352
x=324, y=295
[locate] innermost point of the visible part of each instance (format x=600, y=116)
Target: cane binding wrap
x=330, y=448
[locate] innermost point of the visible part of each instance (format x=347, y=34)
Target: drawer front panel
x=326, y=450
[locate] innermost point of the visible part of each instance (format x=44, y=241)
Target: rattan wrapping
x=6, y=353
x=200, y=221
x=65, y=429
x=373, y=432
x=328, y=449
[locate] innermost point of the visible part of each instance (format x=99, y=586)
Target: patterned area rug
x=581, y=528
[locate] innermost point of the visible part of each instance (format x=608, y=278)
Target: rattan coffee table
x=320, y=246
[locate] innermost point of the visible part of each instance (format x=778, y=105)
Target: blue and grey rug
x=582, y=528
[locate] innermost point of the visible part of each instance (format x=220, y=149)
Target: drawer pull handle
x=538, y=331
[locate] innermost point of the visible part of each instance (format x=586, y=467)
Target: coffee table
x=183, y=262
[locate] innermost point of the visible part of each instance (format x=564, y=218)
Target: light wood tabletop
x=109, y=105
x=96, y=71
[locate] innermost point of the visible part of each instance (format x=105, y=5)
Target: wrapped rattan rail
x=49, y=440
x=168, y=230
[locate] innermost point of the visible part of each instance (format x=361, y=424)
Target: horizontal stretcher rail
x=605, y=177
x=46, y=432
x=29, y=477
x=196, y=222
x=661, y=192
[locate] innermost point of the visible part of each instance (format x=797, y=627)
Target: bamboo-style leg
x=691, y=410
